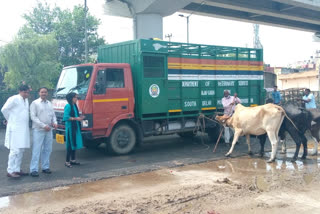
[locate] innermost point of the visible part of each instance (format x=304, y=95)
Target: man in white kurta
x=16, y=112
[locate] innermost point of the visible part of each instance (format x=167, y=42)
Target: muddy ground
x=235, y=185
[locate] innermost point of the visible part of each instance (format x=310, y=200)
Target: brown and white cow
x=255, y=121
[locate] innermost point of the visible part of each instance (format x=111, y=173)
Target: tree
x=3, y=70
x=68, y=27
x=32, y=58
x=42, y=19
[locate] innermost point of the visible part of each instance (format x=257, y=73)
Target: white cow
x=255, y=121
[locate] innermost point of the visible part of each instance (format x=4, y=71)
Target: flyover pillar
x=147, y=14
x=148, y=26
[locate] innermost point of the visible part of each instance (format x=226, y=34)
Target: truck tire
x=122, y=140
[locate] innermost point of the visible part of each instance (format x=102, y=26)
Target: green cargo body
x=180, y=80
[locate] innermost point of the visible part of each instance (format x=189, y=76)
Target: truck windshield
x=74, y=79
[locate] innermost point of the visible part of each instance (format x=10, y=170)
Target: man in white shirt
x=308, y=99
x=43, y=120
x=16, y=112
x=229, y=103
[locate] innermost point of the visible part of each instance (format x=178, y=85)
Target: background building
x=301, y=74
x=307, y=79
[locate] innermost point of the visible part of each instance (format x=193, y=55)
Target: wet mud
x=234, y=185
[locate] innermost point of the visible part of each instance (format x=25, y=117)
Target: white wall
x=312, y=83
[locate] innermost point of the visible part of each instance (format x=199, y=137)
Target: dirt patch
x=239, y=185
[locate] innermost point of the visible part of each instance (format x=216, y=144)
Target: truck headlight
x=85, y=123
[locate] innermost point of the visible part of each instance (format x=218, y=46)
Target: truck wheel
x=122, y=140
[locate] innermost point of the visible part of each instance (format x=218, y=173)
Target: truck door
x=110, y=97
x=154, y=84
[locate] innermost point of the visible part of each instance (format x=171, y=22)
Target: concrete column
x=148, y=26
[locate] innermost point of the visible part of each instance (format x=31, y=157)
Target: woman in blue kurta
x=73, y=133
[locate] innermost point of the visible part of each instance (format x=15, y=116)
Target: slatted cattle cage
x=294, y=94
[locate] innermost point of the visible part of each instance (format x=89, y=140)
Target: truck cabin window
x=109, y=78
x=74, y=79
x=114, y=78
x=153, y=66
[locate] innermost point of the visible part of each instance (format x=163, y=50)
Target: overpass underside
x=147, y=14
x=295, y=14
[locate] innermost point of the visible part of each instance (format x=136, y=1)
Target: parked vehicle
x=145, y=88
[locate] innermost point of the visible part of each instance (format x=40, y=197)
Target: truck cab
x=105, y=97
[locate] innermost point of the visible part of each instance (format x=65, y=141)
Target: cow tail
x=285, y=114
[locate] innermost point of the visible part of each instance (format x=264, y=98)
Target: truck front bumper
x=86, y=135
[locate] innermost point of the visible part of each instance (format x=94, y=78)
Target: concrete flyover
x=147, y=14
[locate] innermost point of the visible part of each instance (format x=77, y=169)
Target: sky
x=281, y=46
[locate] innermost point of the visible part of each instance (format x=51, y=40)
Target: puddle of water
x=261, y=183
x=308, y=178
x=59, y=188
x=288, y=165
x=244, y=168
x=4, y=202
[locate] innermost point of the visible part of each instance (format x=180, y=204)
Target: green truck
x=148, y=87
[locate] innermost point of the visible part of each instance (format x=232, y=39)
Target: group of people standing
x=17, y=139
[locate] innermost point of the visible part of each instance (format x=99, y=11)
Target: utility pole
x=85, y=31
x=187, y=17
x=188, y=28
x=168, y=36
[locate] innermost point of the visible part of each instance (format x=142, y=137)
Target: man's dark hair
x=275, y=86
x=24, y=88
x=307, y=89
x=43, y=88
